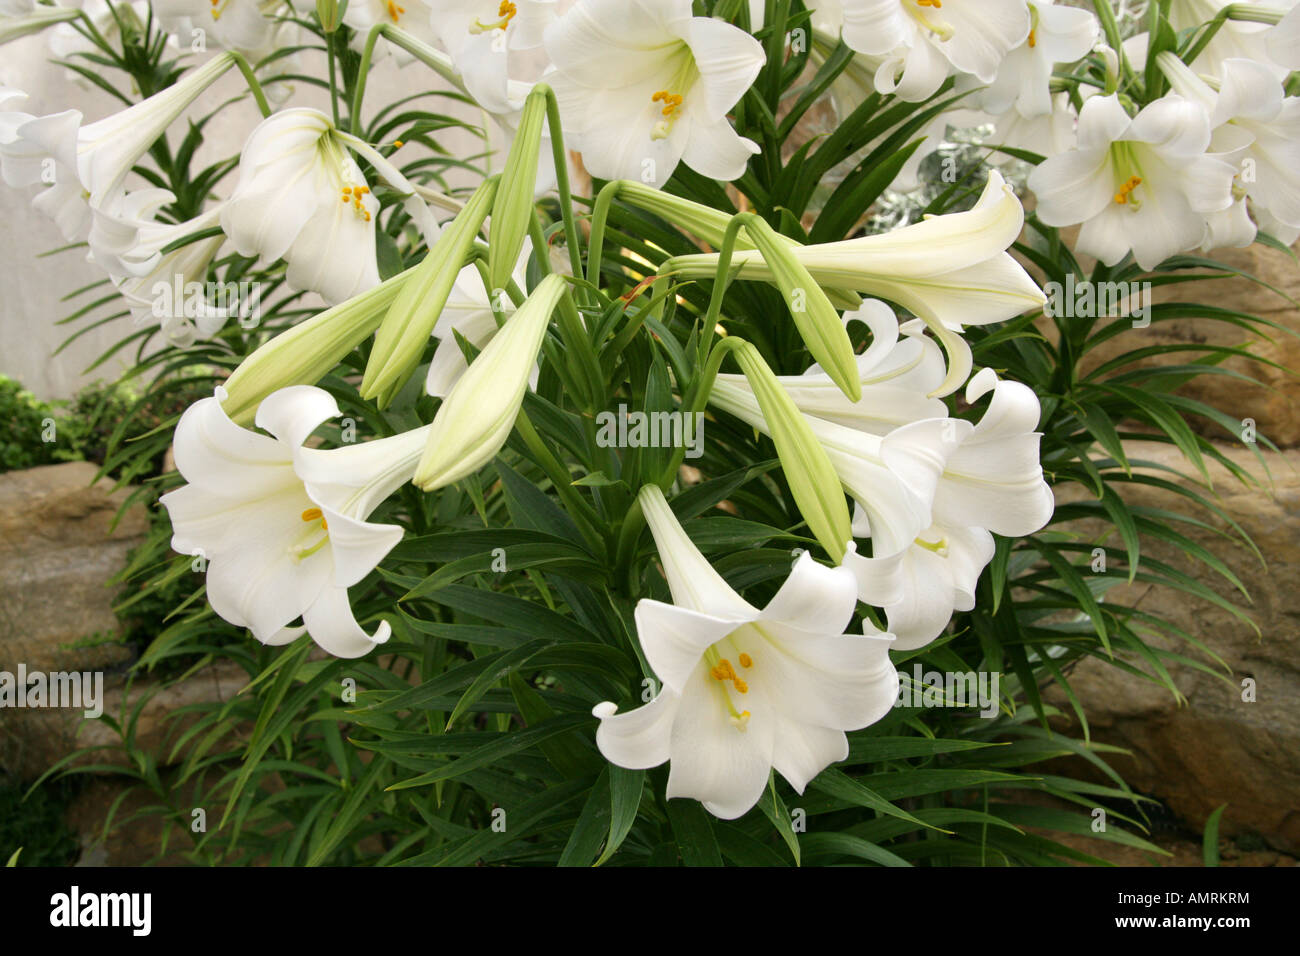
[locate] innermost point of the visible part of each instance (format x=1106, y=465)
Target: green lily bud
x=476, y=418
x=405, y=331
x=706, y=223
x=330, y=13
x=514, y=199
x=304, y=354
x=818, y=323
x=812, y=478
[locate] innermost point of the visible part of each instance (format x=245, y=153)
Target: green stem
x=588, y=521
x=253, y=85
x=334, y=90
x=359, y=94
x=1110, y=26
x=596, y=239
x=562, y=178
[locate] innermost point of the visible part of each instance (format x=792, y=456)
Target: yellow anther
x=1033, y=39
x=746, y=660
x=347, y=190
x=311, y=514
x=930, y=3
x=398, y=144
x=395, y=11
x=740, y=685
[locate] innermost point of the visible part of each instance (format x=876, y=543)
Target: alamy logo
x=56, y=689
x=624, y=429
x=949, y=689
x=1099, y=300
x=75, y=908
x=192, y=300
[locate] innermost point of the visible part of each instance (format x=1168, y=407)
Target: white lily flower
x=1283, y=41
x=1058, y=34
x=923, y=41
x=1049, y=134
x=896, y=376
x=746, y=691
x=23, y=163
x=643, y=85
x=157, y=286
x=953, y=268
x=282, y=527
x=892, y=478
x=225, y=24
x=1236, y=38
x=1143, y=185
x=419, y=18
x=486, y=40
x=83, y=165
x=1256, y=127
x=936, y=576
x=302, y=197
x=950, y=270
x=989, y=479
x=23, y=17
x=993, y=477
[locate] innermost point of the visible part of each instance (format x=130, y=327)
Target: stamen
x=395, y=11
x=506, y=12
x=940, y=28
x=1124, y=195
x=746, y=660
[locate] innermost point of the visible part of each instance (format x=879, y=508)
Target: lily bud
x=478, y=414
x=812, y=478
x=514, y=199
x=330, y=13
x=405, y=331
x=818, y=323
x=304, y=354
x=709, y=224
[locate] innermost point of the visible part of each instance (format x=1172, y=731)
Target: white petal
x=638, y=739
x=332, y=625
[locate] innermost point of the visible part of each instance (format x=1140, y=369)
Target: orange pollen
x=1133, y=183
x=671, y=101
x=395, y=11
x=1033, y=38
x=746, y=660
x=930, y=3
x=311, y=514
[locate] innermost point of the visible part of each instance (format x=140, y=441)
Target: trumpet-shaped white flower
x=1143, y=185
x=487, y=40
x=1256, y=127
x=1236, y=38
x=282, y=527
x=949, y=270
x=892, y=478
x=226, y=24
x=1283, y=41
x=1058, y=34
x=643, y=85
x=86, y=164
x=160, y=286
x=302, y=197
x=952, y=268
x=993, y=478
x=990, y=480
x=923, y=41
x=746, y=691
x=897, y=378
x=934, y=577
